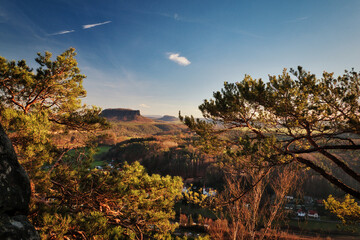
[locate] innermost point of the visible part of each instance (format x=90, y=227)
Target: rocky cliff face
x=14, y=195
x=121, y=114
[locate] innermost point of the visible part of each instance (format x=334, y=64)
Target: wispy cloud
x=95, y=25
x=180, y=18
x=143, y=105
x=62, y=32
x=300, y=19
x=175, y=57
x=242, y=32
x=84, y=27
x=174, y=16
x=3, y=16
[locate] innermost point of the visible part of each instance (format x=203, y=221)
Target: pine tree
x=69, y=199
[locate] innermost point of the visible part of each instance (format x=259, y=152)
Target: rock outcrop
x=122, y=114
x=14, y=195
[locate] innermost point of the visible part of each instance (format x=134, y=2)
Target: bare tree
x=247, y=203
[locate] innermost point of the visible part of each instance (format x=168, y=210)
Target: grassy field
x=97, y=157
x=101, y=150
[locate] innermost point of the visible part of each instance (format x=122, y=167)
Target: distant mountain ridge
x=168, y=118
x=153, y=116
x=123, y=114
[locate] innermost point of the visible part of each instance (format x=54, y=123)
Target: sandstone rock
x=122, y=114
x=15, y=194
x=14, y=182
x=16, y=227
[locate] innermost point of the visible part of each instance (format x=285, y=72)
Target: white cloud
x=144, y=105
x=175, y=57
x=302, y=18
x=95, y=25
x=62, y=32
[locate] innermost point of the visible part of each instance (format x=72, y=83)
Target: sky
x=162, y=57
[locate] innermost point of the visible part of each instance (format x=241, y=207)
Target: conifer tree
x=69, y=199
x=294, y=117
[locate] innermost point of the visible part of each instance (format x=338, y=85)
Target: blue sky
x=164, y=56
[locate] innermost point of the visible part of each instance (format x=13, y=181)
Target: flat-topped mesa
x=122, y=114
x=168, y=118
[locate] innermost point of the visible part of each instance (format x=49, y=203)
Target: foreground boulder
x=14, y=195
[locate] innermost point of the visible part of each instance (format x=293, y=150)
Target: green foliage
x=206, y=237
x=54, y=89
x=347, y=210
x=160, y=155
x=56, y=224
x=125, y=203
x=92, y=224
x=195, y=197
x=287, y=119
x=69, y=199
x=141, y=204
